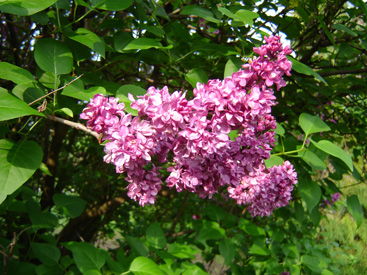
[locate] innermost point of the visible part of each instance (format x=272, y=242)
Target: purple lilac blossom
x=191, y=136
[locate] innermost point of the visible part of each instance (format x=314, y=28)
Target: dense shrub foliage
x=179, y=101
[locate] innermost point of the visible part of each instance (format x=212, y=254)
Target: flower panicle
x=193, y=135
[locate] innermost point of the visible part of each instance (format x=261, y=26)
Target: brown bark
x=51, y=159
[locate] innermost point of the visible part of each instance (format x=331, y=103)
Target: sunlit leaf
x=200, y=12
x=312, y=124
x=12, y=107
x=145, y=266
x=246, y=16
x=111, y=5
x=195, y=76
x=87, y=38
x=273, y=160
x=334, y=150
x=312, y=159
x=232, y=66
x=14, y=73
x=22, y=7
x=182, y=251
x=53, y=56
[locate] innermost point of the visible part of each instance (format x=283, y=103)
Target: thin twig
x=354, y=184
x=54, y=91
x=339, y=72
x=76, y=125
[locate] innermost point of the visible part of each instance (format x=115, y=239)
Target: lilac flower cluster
x=190, y=138
x=334, y=198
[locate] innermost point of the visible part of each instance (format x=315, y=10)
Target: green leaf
x=66, y=111
x=273, y=160
x=54, y=269
x=138, y=246
x=123, y=92
x=304, y=69
x=155, y=30
x=145, y=266
x=144, y=44
x=76, y=90
x=215, y=213
x=43, y=167
x=290, y=250
x=53, y=56
x=48, y=79
x=182, y=251
x=18, y=163
x=312, y=159
x=86, y=256
x=196, y=75
x=334, y=150
x=200, y=12
x=310, y=192
x=355, y=209
x=228, y=13
x=47, y=253
x=42, y=220
x=92, y=272
x=14, y=73
x=121, y=40
x=12, y=107
x=28, y=92
x=87, y=38
x=315, y=216
x=115, y=267
x=344, y=28
x=233, y=134
x=246, y=16
x=259, y=248
x=210, y=231
x=232, y=66
x=280, y=130
x=250, y=228
x=363, y=6
x=192, y=269
x=72, y=206
x=131, y=89
x=23, y=8
x=111, y=5
x=316, y=264
x=227, y=250
x=155, y=236
x=312, y=124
